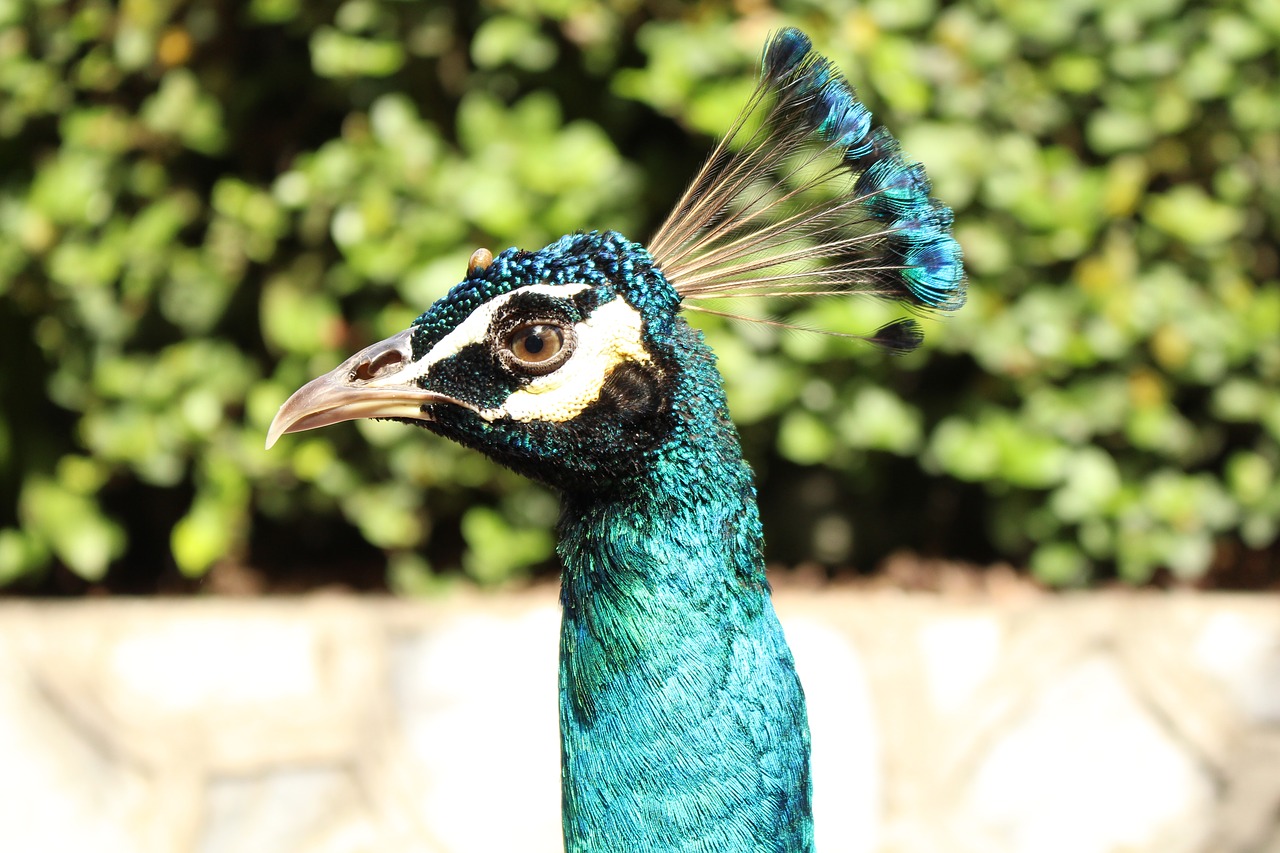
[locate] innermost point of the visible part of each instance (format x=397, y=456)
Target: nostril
x=386, y=360
x=376, y=366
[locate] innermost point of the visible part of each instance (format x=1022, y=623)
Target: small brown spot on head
x=480, y=260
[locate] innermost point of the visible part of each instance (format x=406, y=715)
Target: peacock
x=682, y=722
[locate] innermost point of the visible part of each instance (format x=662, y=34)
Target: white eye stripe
x=475, y=328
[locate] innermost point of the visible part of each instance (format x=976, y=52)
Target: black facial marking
x=632, y=392
x=528, y=307
x=590, y=299
x=476, y=375
x=607, y=444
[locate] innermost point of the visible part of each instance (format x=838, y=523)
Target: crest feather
x=804, y=197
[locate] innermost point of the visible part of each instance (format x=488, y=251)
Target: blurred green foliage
x=203, y=205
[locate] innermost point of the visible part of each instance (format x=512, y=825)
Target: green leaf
x=1190, y=215
x=1060, y=564
x=338, y=54
x=805, y=438
x=202, y=537
x=72, y=526
x=498, y=551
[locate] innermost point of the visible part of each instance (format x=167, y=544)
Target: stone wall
x=1110, y=722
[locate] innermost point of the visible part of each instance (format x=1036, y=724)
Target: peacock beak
x=380, y=381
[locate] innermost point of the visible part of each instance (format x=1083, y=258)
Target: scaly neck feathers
x=683, y=724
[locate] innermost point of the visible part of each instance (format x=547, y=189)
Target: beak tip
x=274, y=431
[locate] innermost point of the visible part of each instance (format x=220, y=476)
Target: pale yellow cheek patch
x=608, y=338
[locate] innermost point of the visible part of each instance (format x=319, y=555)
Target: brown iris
x=536, y=348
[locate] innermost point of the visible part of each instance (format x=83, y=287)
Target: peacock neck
x=683, y=724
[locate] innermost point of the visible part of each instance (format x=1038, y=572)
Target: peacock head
x=555, y=363
x=562, y=363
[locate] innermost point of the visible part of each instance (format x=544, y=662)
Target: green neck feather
x=683, y=724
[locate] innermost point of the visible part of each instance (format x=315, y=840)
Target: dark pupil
x=534, y=343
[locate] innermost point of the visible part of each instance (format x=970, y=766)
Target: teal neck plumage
x=683, y=724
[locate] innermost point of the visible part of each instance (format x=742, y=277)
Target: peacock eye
x=537, y=348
